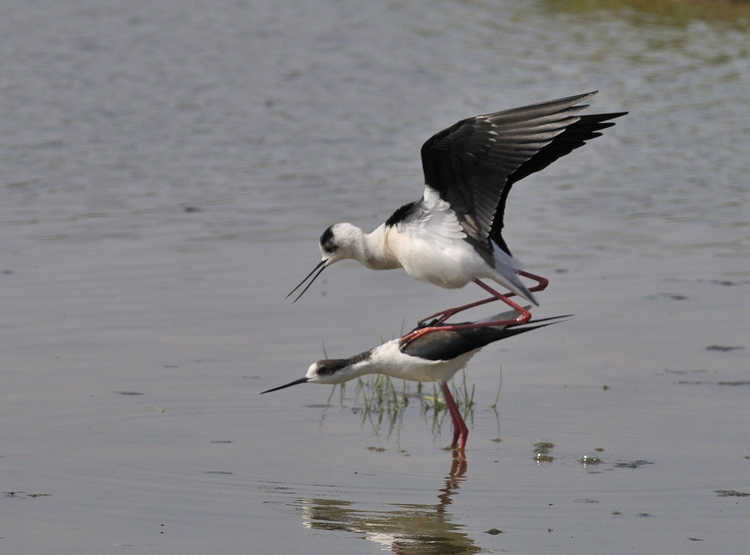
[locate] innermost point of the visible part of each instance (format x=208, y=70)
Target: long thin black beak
x=290, y=384
x=319, y=269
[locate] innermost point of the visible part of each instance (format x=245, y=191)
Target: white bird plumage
x=433, y=357
x=453, y=234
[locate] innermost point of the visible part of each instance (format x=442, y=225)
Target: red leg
x=541, y=282
x=523, y=316
x=442, y=316
x=448, y=312
x=460, y=430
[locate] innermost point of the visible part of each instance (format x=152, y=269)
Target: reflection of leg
x=452, y=482
x=458, y=469
x=460, y=430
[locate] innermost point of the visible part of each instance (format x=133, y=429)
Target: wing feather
x=473, y=163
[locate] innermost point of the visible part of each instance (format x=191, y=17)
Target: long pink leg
x=541, y=282
x=523, y=317
x=460, y=430
x=443, y=315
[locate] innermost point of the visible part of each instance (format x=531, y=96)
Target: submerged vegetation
x=381, y=401
x=675, y=12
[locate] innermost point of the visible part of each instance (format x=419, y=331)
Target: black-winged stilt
x=453, y=234
x=432, y=357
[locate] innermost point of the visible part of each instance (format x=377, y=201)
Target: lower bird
x=433, y=357
x=453, y=234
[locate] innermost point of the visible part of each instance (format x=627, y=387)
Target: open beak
x=314, y=274
x=290, y=384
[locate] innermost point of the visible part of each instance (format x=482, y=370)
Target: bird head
x=338, y=242
x=328, y=371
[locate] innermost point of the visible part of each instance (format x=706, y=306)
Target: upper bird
x=453, y=234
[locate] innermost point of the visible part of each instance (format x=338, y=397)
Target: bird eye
x=327, y=243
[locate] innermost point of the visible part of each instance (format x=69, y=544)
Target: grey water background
x=166, y=168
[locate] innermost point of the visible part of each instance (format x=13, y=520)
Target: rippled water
x=165, y=171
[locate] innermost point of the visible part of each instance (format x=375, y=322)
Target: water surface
x=165, y=171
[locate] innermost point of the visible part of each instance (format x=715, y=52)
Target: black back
x=448, y=344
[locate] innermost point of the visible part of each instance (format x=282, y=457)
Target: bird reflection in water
x=406, y=528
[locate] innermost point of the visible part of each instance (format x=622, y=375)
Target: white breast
x=431, y=246
x=392, y=362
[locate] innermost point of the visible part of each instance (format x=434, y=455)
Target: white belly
x=450, y=268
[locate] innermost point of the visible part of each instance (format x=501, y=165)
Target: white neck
x=375, y=253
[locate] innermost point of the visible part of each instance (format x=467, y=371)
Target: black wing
x=448, y=344
x=575, y=136
x=473, y=163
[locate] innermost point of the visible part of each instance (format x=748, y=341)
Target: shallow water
x=166, y=169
